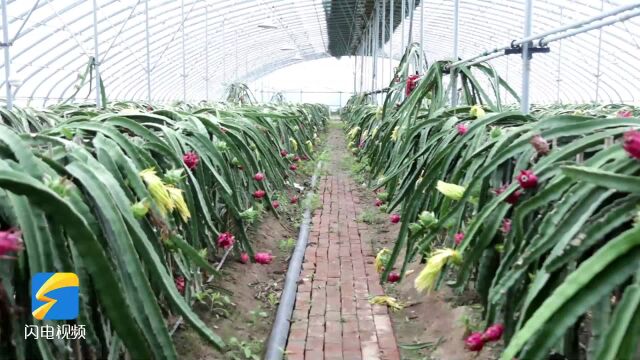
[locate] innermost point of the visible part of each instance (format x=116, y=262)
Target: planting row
x=537, y=213
x=138, y=202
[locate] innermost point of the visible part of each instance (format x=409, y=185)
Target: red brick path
x=333, y=319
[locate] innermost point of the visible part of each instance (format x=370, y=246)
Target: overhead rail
x=618, y=14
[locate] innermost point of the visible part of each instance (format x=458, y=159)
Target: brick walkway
x=333, y=319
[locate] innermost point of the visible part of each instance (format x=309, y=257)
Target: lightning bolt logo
x=65, y=304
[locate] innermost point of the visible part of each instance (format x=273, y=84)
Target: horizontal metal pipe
x=578, y=26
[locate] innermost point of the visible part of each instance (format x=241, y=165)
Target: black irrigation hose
x=280, y=330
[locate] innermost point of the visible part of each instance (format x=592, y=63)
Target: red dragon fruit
x=506, y=226
x=296, y=158
x=457, y=238
x=244, y=258
x=462, y=129
x=191, y=160
x=293, y=200
x=632, y=143
x=412, y=83
x=624, y=114
x=283, y=153
x=10, y=241
x=493, y=332
x=263, y=258
x=394, y=218
x=275, y=204
x=512, y=198
x=393, y=277
x=180, y=284
x=258, y=176
x=225, y=240
x=259, y=194
x=293, y=167
x=527, y=179
x=474, y=342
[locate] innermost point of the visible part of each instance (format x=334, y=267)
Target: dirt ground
x=255, y=290
x=433, y=324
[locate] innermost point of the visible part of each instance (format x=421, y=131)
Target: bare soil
x=255, y=290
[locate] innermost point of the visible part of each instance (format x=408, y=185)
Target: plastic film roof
x=232, y=40
x=57, y=41
x=596, y=65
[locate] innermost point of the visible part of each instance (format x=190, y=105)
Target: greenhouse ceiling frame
x=133, y=46
x=523, y=46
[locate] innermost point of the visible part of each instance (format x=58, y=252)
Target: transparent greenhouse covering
x=190, y=49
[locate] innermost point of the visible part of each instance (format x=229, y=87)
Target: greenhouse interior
x=320, y=179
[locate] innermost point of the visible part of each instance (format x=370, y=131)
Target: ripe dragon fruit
x=275, y=204
x=412, y=83
x=624, y=114
x=378, y=203
x=393, y=277
x=462, y=129
x=259, y=194
x=191, y=160
x=293, y=200
x=180, y=284
x=457, y=238
x=10, y=241
x=258, y=176
x=226, y=240
x=263, y=258
x=506, y=226
x=293, y=167
x=527, y=179
x=394, y=218
x=493, y=332
x=512, y=198
x=283, y=153
x=632, y=143
x=474, y=342
x=244, y=258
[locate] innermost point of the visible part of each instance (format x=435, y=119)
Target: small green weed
x=243, y=350
x=286, y=245
x=368, y=217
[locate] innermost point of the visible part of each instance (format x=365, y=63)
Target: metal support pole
x=224, y=54
x=558, y=79
x=599, y=57
x=526, y=61
x=206, y=52
x=412, y=4
x=403, y=14
x=362, y=60
x=355, y=70
x=456, y=39
x=146, y=29
x=421, y=57
x=7, y=55
x=96, y=58
x=375, y=40
x=391, y=74
x=383, y=24
x=184, y=62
